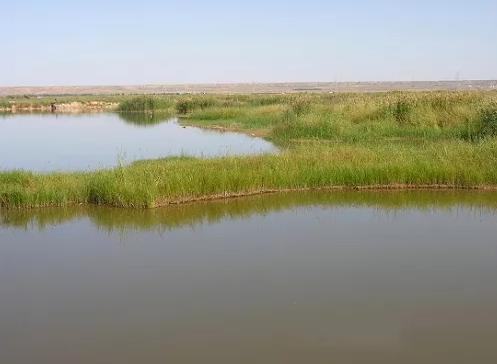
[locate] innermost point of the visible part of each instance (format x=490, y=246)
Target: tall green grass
x=488, y=122
x=146, y=104
x=351, y=117
x=315, y=165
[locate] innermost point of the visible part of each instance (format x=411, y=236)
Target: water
x=391, y=277
x=78, y=142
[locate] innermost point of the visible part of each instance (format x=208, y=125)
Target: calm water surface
x=77, y=142
x=403, y=277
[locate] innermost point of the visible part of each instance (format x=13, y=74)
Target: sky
x=91, y=42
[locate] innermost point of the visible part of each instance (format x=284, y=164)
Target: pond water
x=362, y=277
x=78, y=142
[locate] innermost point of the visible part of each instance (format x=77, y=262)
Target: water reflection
x=145, y=119
x=387, y=203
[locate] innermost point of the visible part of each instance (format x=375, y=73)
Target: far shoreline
x=250, y=88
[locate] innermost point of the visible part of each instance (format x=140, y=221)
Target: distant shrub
x=264, y=100
x=485, y=126
x=186, y=105
x=300, y=105
x=488, y=121
x=4, y=104
x=145, y=104
x=402, y=111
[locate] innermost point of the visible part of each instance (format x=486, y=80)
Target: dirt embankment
x=72, y=107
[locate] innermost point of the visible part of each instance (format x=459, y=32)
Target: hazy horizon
x=152, y=84
x=192, y=42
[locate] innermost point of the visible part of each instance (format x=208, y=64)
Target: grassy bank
x=445, y=139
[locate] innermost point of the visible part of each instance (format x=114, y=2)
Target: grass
x=353, y=117
x=147, y=104
x=488, y=122
x=328, y=141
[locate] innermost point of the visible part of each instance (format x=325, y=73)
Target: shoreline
x=369, y=188
x=240, y=195
x=72, y=107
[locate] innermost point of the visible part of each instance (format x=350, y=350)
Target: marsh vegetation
x=397, y=139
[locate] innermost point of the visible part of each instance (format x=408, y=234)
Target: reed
x=146, y=104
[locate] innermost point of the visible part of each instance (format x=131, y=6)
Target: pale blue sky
x=56, y=42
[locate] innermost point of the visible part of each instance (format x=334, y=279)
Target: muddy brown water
x=80, y=142
x=352, y=277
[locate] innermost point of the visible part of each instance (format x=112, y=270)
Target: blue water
x=80, y=142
